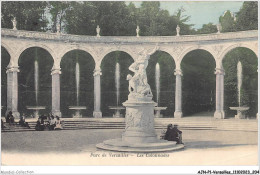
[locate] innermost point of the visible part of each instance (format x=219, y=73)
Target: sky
x=202, y=12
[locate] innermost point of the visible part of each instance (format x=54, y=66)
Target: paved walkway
x=77, y=147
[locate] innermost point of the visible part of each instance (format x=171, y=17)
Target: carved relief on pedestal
x=139, y=118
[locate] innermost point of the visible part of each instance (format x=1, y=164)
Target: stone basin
x=158, y=111
x=36, y=109
x=78, y=107
x=77, y=112
x=117, y=109
x=240, y=111
x=241, y=108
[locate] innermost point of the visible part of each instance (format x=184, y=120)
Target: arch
x=249, y=90
x=185, y=52
x=167, y=50
x=83, y=62
x=113, y=95
x=199, y=83
x=48, y=49
x=228, y=49
x=7, y=48
x=67, y=50
x=128, y=51
x=161, y=69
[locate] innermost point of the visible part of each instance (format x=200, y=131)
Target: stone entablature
x=16, y=41
x=246, y=35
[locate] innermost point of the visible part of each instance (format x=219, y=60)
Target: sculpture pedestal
x=139, y=135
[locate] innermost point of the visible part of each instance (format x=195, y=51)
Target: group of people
x=9, y=119
x=48, y=123
x=173, y=134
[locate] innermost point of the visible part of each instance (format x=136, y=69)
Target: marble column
x=219, y=113
x=178, y=94
x=56, y=92
x=97, y=94
x=12, y=91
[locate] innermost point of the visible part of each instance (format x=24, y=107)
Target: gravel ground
x=77, y=147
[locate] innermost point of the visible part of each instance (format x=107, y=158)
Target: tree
x=247, y=18
x=181, y=20
x=207, y=28
x=58, y=11
x=227, y=22
x=29, y=15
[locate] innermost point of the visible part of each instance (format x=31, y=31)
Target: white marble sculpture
x=137, y=31
x=138, y=84
x=98, y=31
x=139, y=135
x=58, y=28
x=178, y=30
x=14, y=23
x=219, y=28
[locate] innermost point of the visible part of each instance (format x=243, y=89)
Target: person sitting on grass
x=173, y=134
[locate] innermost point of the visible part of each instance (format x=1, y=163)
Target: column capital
x=12, y=69
x=178, y=72
x=55, y=71
x=97, y=72
x=219, y=71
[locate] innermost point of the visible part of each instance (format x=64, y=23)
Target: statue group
x=138, y=84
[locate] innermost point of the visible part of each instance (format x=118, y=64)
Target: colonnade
x=12, y=92
x=218, y=45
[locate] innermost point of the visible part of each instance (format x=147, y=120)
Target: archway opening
x=5, y=59
x=34, y=80
x=198, y=83
x=249, y=91
x=109, y=81
x=161, y=78
x=77, y=83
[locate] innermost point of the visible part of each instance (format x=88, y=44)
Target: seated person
x=39, y=125
x=2, y=125
x=22, y=122
x=52, y=123
x=11, y=119
x=58, y=124
x=173, y=134
x=7, y=118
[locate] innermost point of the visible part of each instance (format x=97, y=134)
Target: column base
x=56, y=113
x=97, y=114
x=219, y=115
x=178, y=114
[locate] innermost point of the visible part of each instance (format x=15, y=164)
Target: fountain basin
x=77, y=111
x=36, y=109
x=158, y=111
x=240, y=110
x=117, y=109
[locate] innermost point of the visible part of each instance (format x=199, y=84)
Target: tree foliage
x=247, y=17
x=29, y=15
